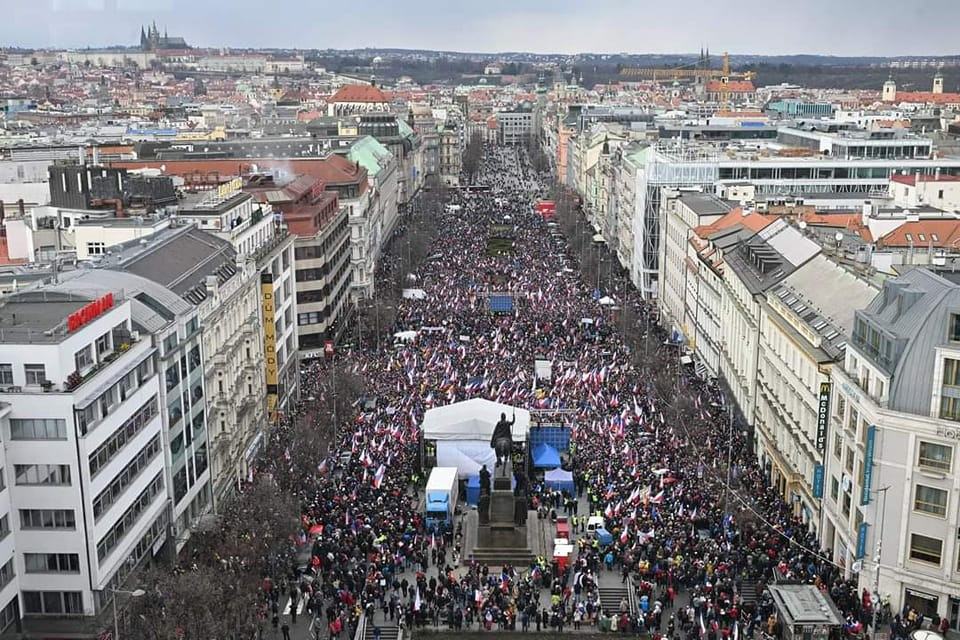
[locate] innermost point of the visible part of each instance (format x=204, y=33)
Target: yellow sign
x=227, y=189
x=269, y=345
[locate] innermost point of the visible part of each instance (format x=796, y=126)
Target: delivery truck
x=440, y=498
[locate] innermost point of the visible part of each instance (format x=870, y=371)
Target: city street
x=652, y=449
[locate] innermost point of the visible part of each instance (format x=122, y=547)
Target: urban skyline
x=567, y=27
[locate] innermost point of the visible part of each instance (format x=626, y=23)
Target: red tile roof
x=334, y=169
x=753, y=221
x=936, y=233
x=849, y=220
x=733, y=86
x=911, y=178
x=927, y=97
x=358, y=93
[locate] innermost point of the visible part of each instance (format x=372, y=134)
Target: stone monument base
x=502, y=532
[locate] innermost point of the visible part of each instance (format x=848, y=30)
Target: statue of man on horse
x=502, y=439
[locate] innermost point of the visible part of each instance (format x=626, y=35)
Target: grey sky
x=838, y=27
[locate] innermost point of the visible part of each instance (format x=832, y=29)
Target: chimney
x=21, y=208
x=867, y=212
x=2, y=213
x=82, y=155
x=96, y=156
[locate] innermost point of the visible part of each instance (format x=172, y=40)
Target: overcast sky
x=838, y=27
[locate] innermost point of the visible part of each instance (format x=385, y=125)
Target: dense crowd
x=656, y=471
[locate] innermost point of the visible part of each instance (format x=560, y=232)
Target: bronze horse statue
x=502, y=440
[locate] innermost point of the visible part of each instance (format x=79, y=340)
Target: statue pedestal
x=502, y=532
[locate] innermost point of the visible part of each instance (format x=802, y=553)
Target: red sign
x=85, y=314
x=546, y=208
x=328, y=348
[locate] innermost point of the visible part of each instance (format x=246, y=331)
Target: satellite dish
x=803, y=224
x=838, y=237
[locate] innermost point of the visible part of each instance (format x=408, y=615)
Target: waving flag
x=378, y=476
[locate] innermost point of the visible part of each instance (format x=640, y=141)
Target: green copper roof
x=370, y=154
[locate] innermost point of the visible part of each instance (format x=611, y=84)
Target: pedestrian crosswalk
x=301, y=603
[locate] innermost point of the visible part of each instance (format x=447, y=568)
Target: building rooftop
x=359, y=93
x=37, y=316
x=912, y=178
x=705, y=204
x=804, y=604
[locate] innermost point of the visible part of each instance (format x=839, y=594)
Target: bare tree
x=472, y=156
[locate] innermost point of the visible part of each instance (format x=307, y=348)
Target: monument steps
x=610, y=598
x=500, y=556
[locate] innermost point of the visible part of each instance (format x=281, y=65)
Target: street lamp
x=136, y=593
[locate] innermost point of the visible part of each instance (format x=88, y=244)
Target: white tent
x=606, y=301
x=405, y=336
x=463, y=430
x=414, y=294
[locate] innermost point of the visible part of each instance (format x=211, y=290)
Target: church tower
x=889, y=90
x=938, y=83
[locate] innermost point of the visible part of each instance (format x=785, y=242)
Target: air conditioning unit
x=135, y=336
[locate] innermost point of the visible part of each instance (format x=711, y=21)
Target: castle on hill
x=151, y=40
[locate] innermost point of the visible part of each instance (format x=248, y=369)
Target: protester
x=654, y=470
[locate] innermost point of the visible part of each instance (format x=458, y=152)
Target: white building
x=86, y=497
x=892, y=470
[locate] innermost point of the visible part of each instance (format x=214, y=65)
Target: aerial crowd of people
x=695, y=528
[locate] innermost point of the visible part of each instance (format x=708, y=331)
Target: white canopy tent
x=462, y=432
x=414, y=294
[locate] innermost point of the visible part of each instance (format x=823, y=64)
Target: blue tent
x=473, y=489
x=559, y=480
x=545, y=456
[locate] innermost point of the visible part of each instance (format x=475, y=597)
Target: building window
x=96, y=248
x=38, y=429
x=925, y=549
x=834, y=488
x=83, y=359
x=955, y=327
x=125, y=478
x=950, y=408
x=4, y=526
x=951, y=372
x=103, y=344
x=172, y=376
x=35, y=374
x=42, y=474
x=48, y=519
x=849, y=463
x=52, y=603
x=6, y=373
x=935, y=456
x=10, y=613
x=129, y=517
x=838, y=446
x=51, y=562
x=115, y=443
x=6, y=573
x=931, y=500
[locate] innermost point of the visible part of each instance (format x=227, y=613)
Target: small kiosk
x=805, y=612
